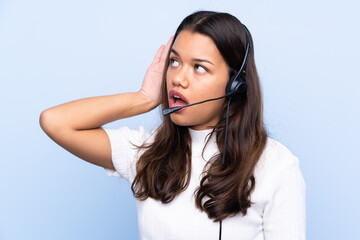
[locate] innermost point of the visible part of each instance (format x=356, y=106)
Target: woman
x=206, y=164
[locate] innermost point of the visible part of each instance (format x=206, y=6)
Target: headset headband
x=247, y=50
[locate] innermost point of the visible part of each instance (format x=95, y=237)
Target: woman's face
x=196, y=72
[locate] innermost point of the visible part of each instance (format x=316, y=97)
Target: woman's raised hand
x=76, y=125
x=151, y=86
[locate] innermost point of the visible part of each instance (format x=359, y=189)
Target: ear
x=232, y=72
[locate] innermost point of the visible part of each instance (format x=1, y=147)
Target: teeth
x=176, y=96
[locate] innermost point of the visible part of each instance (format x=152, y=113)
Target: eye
x=200, y=69
x=174, y=62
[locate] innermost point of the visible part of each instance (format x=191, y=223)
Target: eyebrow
x=194, y=59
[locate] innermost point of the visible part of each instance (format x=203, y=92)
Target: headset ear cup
x=241, y=86
x=236, y=86
x=229, y=84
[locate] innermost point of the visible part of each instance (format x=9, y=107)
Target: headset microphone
x=168, y=111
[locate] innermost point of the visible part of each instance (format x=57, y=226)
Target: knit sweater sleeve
x=124, y=152
x=284, y=214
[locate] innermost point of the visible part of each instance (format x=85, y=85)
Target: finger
x=166, y=50
x=158, y=54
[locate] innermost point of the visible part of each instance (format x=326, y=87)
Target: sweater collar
x=199, y=135
x=199, y=139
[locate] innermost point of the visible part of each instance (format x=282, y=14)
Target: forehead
x=191, y=45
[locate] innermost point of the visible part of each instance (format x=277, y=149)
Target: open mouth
x=177, y=99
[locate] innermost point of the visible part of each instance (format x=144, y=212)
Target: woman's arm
x=76, y=125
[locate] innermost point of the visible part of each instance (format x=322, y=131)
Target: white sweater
x=279, y=195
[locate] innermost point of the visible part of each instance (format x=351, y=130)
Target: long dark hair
x=164, y=169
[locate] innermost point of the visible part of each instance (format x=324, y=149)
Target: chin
x=179, y=120
x=185, y=121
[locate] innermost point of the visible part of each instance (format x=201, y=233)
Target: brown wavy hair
x=164, y=169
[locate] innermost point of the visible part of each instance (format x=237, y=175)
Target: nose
x=180, y=77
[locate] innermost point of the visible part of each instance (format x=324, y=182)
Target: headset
x=235, y=87
x=237, y=83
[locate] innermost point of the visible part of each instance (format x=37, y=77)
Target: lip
x=171, y=98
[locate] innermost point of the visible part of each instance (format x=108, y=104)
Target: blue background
x=51, y=52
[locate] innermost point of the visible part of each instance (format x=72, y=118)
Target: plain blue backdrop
x=52, y=52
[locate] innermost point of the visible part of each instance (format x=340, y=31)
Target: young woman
x=209, y=170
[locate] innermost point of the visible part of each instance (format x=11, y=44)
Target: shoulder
x=277, y=165
x=125, y=144
x=277, y=156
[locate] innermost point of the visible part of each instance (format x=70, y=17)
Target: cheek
x=168, y=83
x=212, y=89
